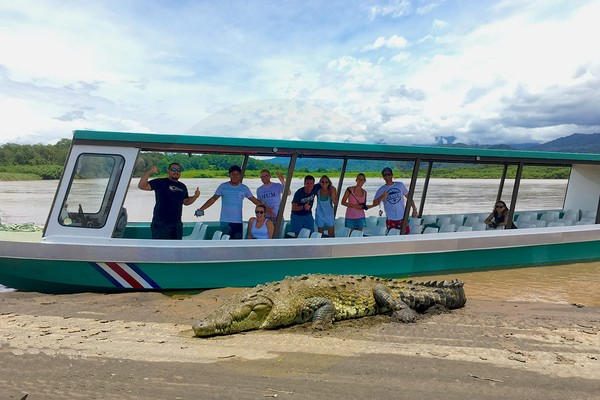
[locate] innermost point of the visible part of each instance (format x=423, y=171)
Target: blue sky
x=397, y=71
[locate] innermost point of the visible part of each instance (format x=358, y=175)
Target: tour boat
x=88, y=245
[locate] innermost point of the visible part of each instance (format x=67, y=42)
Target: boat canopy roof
x=190, y=143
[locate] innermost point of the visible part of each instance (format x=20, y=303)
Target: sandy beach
x=140, y=345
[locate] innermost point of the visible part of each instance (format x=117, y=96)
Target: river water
x=577, y=283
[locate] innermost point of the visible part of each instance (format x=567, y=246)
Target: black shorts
x=167, y=231
x=233, y=229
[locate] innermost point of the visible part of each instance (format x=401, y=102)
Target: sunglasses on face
x=324, y=182
x=499, y=206
x=175, y=169
x=259, y=212
x=388, y=174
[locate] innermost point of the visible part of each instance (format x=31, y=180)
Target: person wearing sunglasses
x=171, y=195
x=326, y=198
x=392, y=195
x=233, y=194
x=498, y=218
x=260, y=227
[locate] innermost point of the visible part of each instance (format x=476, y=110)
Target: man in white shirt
x=233, y=192
x=392, y=195
x=270, y=193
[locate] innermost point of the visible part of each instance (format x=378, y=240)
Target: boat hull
x=177, y=270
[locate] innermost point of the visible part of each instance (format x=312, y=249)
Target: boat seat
x=342, y=232
x=555, y=223
x=430, y=229
x=393, y=232
x=464, y=229
x=225, y=237
x=520, y=218
x=429, y=219
x=480, y=226
x=588, y=214
x=356, y=233
x=540, y=223
x=415, y=229
x=550, y=216
x=457, y=219
x=217, y=235
x=304, y=233
x=447, y=228
x=121, y=224
x=471, y=220
x=198, y=232
x=381, y=221
x=443, y=220
x=371, y=222
x=586, y=221
x=527, y=226
x=570, y=214
x=379, y=230
x=316, y=235
x=415, y=221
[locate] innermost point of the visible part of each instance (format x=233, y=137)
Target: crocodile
x=323, y=299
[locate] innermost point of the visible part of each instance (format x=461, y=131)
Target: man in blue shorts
x=233, y=193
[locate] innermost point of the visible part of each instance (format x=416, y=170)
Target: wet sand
x=511, y=341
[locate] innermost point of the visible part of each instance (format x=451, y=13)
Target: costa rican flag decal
x=125, y=275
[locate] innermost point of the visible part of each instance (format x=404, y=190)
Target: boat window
x=91, y=190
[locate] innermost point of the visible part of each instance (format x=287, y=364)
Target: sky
x=397, y=71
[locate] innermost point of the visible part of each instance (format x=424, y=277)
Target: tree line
x=46, y=161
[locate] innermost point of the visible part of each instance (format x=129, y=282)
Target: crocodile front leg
x=320, y=311
x=401, y=312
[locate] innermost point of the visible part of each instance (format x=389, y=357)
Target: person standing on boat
x=355, y=199
x=170, y=196
x=260, y=227
x=392, y=195
x=233, y=192
x=326, y=198
x=270, y=193
x=302, y=206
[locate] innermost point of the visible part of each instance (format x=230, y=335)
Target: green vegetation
x=38, y=161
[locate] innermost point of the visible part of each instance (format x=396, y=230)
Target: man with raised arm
x=170, y=196
x=392, y=195
x=233, y=192
x=270, y=193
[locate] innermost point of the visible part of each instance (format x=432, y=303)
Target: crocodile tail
x=450, y=294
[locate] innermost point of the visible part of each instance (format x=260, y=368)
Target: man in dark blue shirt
x=302, y=206
x=170, y=196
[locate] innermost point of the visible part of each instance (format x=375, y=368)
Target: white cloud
x=393, y=8
x=438, y=24
x=428, y=7
x=401, y=57
x=392, y=42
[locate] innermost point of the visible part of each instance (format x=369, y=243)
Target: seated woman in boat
x=326, y=198
x=355, y=201
x=499, y=217
x=260, y=227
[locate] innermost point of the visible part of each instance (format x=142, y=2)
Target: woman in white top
x=260, y=227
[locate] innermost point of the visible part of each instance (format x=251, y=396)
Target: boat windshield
x=91, y=191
